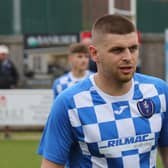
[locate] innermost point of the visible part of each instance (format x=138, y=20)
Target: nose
x=127, y=55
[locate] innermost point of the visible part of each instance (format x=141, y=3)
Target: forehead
x=123, y=40
x=77, y=54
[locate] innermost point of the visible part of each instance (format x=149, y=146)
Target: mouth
x=126, y=69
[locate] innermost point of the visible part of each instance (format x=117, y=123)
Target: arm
x=163, y=140
x=164, y=156
x=57, y=138
x=48, y=164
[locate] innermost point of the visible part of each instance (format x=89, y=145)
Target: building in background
x=22, y=19
x=93, y=9
x=38, y=34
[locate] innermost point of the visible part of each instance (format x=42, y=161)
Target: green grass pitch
x=21, y=153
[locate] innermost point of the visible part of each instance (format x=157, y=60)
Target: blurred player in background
x=78, y=58
x=86, y=40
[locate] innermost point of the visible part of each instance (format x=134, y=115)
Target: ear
x=93, y=52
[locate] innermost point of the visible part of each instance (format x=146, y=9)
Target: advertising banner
x=25, y=107
x=33, y=41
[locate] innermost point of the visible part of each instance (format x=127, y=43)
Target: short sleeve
x=163, y=139
x=57, y=136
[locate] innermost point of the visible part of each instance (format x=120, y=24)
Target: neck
x=78, y=74
x=113, y=88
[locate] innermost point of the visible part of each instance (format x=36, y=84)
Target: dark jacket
x=92, y=66
x=8, y=75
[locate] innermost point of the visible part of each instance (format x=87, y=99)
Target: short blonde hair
x=78, y=48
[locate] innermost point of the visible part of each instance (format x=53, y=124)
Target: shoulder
x=77, y=89
x=90, y=72
x=62, y=79
x=143, y=79
x=72, y=97
x=7, y=62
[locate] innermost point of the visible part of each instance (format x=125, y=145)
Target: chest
x=112, y=128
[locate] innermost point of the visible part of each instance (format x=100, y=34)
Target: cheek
x=87, y=61
x=136, y=59
x=108, y=60
x=74, y=62
x=81, y=61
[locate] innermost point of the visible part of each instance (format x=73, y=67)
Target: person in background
x=86, y=40
x=116, y=118
x=78, y=59
x=8, y=73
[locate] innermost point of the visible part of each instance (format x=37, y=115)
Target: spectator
x=116, y=118
x=86, y=40
x=78, y=59
x=8, y=73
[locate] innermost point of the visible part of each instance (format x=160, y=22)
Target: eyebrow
x=123, y=48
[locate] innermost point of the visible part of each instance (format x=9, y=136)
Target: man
x=78, y=59
x=116, y=118
x=8, y=73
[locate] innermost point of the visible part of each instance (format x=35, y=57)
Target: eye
x=133, y=48
x=87, y=56
x=79, y=56
x=117, y=50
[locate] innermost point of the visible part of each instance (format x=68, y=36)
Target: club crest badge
x=146, y=107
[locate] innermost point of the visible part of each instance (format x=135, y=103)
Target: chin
x=126, y=78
